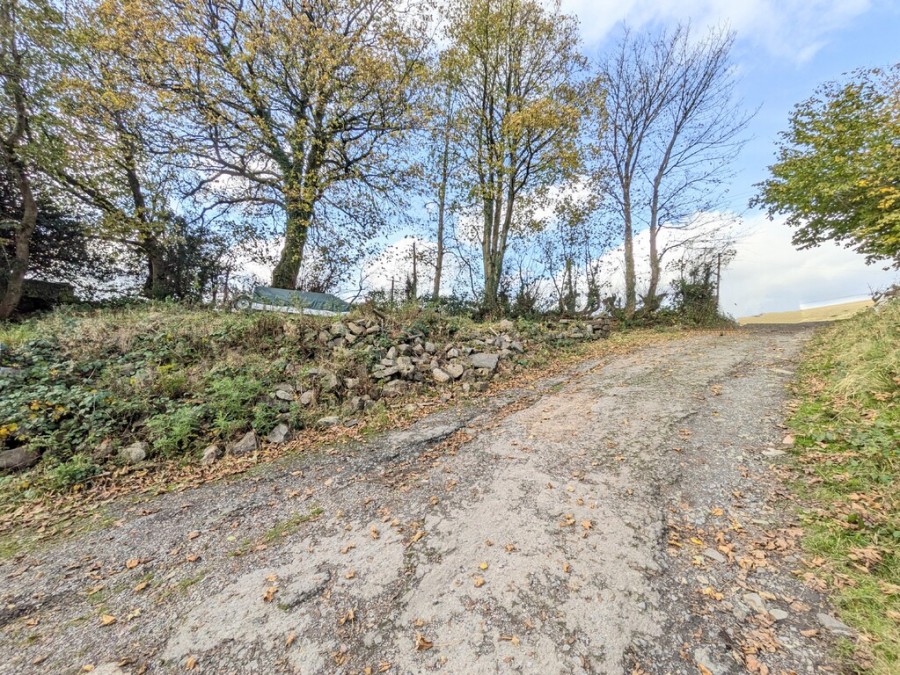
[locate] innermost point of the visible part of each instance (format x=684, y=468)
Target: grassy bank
x=847, y=452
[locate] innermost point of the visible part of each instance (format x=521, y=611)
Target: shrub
x=175, y=430
x=78, y=469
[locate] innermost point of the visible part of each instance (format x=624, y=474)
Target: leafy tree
x=673, y=129
x=30, y=65
x=521, y=103
x=837, y=177
x=288, y=108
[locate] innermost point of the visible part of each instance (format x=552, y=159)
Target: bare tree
x=673, y=130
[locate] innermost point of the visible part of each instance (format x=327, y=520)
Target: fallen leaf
x=510, y=638
x=107, y=619
x=483, y=566
x=141, y=586
x=479, y=582
x=270, y=593
x=418, y=535
x=567, y=567
x=423, y=643
x=710, y=592
x=350, y=575
x=586, y=524
x=348, y=548
x=788, y=440
x=384, y=666
x=349, y=617
x=194, y=534
x=567, y=521
x=374, y=532
x=132, y=563
x=192, y=557
x=812, y=632
x=133, y=614
x=290, y=639
x=86, y=668
x=703, y=669
x=191, y=662
x=33, y=621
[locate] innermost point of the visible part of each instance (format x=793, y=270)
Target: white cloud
x=770, y=275
x=794, y=29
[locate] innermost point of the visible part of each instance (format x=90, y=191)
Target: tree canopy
x=837, y=177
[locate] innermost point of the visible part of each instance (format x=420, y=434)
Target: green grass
x=847, y=458
x=289, y=526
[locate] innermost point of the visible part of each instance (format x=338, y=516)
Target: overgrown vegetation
x=77, y=387
x=847, y=426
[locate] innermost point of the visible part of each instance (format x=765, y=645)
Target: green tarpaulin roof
x=281, y=296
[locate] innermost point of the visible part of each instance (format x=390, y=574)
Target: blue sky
x=784, y=50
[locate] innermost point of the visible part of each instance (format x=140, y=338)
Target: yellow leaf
x=191, y=662
x=132, y=563
x=483, y=566
x=107, y=619
x=709, y=591
x=479, y=582
x=270, y=594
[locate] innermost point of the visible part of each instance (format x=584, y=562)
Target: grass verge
x=846, y=422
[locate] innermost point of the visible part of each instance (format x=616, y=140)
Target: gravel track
x=623, y=518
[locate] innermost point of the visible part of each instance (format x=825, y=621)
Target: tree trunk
x=23, y=235
x=9, y=155
x=442, y=198
x=630, y=282
x=157, y=286
x=655, y=269
x=285, y=273
x=439, y=255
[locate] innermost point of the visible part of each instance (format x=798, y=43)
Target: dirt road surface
x=623, y=518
